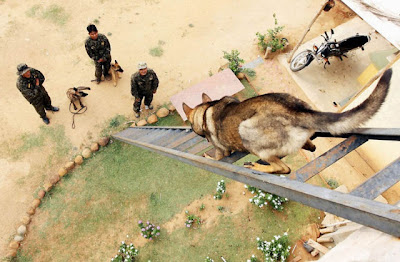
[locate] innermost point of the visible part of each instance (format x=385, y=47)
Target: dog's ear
x=116, y=61
x=186, y=109
x=205, y=98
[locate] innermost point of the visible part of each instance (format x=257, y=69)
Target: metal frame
x=383, y=217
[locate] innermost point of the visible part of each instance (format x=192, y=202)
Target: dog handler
x=144, y=83
x=30, y=84
x=98, y=48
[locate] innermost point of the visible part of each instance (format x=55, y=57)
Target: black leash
x=76, y=113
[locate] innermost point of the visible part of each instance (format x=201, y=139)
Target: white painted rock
x=171, y=108
x=152, y=119
x=18, y=238
x=104, y=141
x=142, y=122
x=78, y=160
x=94, y=147
x=86, y=153
x=162, y=112
x=21, y=230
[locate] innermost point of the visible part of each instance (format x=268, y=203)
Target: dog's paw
x=208, y=156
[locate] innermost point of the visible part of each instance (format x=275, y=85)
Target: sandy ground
x=193, y=35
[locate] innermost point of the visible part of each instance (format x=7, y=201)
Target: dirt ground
x=192, y=34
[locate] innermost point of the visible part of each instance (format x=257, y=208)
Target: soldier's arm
x=89, y=51
x=107, y=47
x=154, y=85
x=29, y=93
x=38, y=75
x=134, y=87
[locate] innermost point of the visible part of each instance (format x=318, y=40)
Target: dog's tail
x=337, y=123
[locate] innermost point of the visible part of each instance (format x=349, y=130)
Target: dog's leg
x=73, y=103
x=80, y=102
x=309, y=145
x=219, y=154
x=276, y=166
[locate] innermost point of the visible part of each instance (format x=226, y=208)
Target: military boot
x=46, y=120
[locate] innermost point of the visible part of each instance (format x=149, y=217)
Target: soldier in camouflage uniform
x=144, y=83
x=30, y=84
x=98, y=48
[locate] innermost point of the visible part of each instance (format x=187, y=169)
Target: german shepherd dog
x=75, y=94
x=115, y=69
x=274, y=125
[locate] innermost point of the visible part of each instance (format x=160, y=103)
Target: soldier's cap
x=22, y=69
x=142, y=65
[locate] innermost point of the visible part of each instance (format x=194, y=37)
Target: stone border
x=47, y=186
x=67, y=168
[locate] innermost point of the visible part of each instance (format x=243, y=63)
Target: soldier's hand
x=100, y=60
x=154, y=91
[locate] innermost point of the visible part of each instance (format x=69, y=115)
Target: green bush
x=272, y=41
x=234, y=61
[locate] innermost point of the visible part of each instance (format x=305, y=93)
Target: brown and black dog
x=115, y=69
x=75, y=94
x=274, y=125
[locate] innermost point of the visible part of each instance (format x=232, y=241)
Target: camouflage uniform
x=36, y=95
x=143, y=86
x=96, y=49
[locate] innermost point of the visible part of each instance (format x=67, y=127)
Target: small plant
x=252, y=259
x=109, y=34
x=220, y=190
x=202, y=207
x=333, y=183
x=114, y=122
x=191, y=25
x=191, y=219
x=272, y=41
x=161, y=42
x=96, y=21
x=220, y=208
x=210, y=73
x=125, y=253
x=156, y=51
x=262, y=198
x=234, y=61
x=149, y=230
x=208, y=259
x=275, y=250
x=250, y=72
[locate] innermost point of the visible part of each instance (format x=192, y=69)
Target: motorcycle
x=328, y=49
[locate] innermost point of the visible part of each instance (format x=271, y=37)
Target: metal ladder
x=183, y=144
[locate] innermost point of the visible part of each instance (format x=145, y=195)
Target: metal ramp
x=183, y=144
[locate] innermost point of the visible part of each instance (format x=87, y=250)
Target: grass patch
x=53, y=13
x=114, y=124
x=120, y=186
x=28, y=142
x=156, y=51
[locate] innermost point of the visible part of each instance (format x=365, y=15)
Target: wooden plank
x=318, y=246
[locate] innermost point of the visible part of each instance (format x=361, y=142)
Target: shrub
x=126, y=253
x=273, y=41
x=262, y=198
x=220, y=190
x=275, y=250
x=234, y=61
x=202, y=207
x=208, y=259
x=252, y=259
x=156, y=51
x=149, y=230
x=333, y=183
x=191, y=219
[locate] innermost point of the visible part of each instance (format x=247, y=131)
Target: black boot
x=46, y=120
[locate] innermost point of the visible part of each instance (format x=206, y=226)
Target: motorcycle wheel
x=301, y=60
